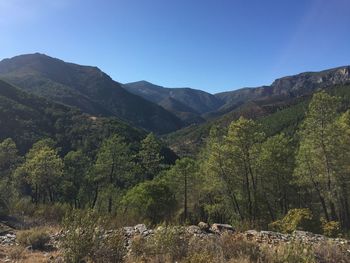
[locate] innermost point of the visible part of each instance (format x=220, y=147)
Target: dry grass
x=22, y=255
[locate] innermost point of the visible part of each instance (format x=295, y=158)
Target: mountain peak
x=87, y=88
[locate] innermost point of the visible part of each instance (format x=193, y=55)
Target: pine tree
x=316, y=156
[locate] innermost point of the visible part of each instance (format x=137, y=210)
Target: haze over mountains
x=151, y=107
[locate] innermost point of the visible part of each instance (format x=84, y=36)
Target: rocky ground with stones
x=200, y=231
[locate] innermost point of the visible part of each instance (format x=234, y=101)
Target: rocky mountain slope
x=286, y=87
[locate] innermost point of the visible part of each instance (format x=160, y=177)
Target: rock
x=203, y=226
x=251, y=233
x=220, y=228
x=194, y=230
x=129, y=231
x=140, y=228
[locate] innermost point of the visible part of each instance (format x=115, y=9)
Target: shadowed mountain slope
x=87, y=88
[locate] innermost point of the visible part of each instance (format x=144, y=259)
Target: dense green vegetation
x=252, y=173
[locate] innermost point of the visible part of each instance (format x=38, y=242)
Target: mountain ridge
x=87, y=88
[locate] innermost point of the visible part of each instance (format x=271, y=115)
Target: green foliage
x=113, y=168
x=109, y=248
x=151, y=201
x=150, y=158
x=53, y=213
x=320, y=154
x=275, y=164
x=37, y=238
x=79, y=239
x=331, y=228
x=45, y=169
x=297, y=219
x=184, y=181
x=9, y=160
x=76, y=168
x=168, y=244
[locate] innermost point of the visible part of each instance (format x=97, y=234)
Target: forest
x=242, y=176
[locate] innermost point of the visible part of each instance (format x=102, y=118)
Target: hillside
x=276, y=112
x=27, y=118
x=196, y=101
x=292, y=86
x=87, y=88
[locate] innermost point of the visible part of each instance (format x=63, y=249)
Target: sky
x=213, y=45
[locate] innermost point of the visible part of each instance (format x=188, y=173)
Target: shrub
x=170, y=242
x=51, y=213
x=331, y=228
x=203, y=257
x=79, y=235
x=290, y=253
x=204, y=249
x=297, y=219
x=24, y=206
x=167, y=244
x=138, y=247
x=331, y=253
x=36, y=238
x=85, y=239
x=236, y=246
x=109, y=248
x=3, y=207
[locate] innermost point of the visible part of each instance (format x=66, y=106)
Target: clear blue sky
x=214, y=45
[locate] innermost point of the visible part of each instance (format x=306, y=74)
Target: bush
x=331, y=228
x=203, y=257
x=204, y=249
x=297, y=219
x=331, y=253
x=3, y=207
x=51, y=213
x=85, y=239
x=235, y=246
x=109, y=248
x=79, y=235
x=24, y=206
x=290, y=253
x=36, y=238
x=168, y=244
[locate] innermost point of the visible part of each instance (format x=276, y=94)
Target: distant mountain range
x=156, y=108
x=204, y=105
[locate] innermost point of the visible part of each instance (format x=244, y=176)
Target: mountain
x=195, y=101
x=27, y=118
x=286, y=87
x=284, y=100
x=182, y=111
x=87, y=88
